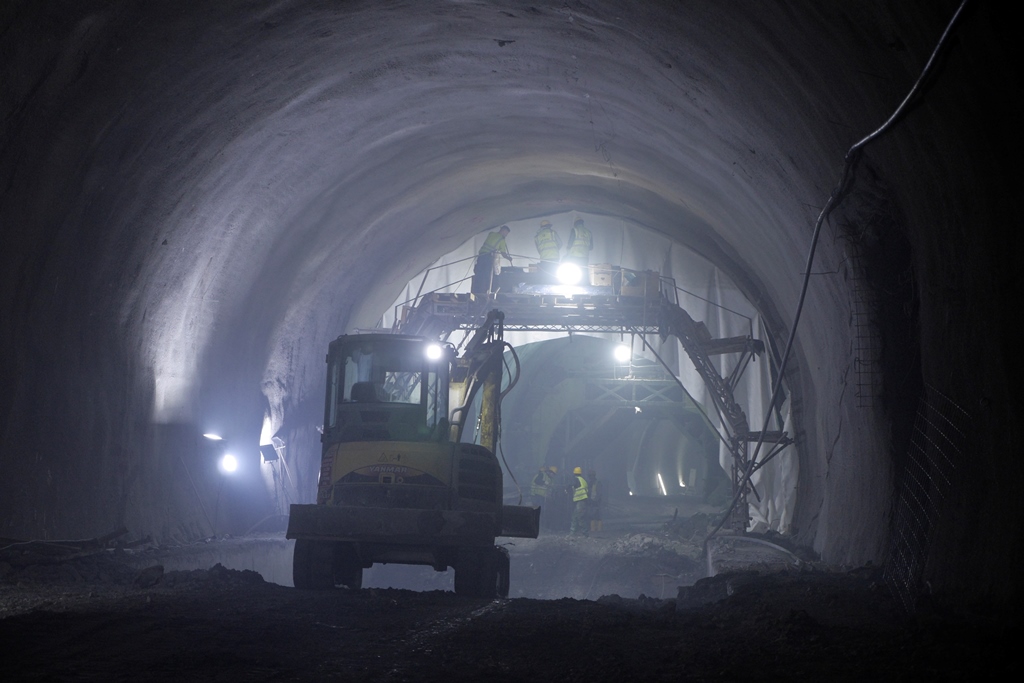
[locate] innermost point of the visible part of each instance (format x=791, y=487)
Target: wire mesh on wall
x=867, y=344
x=922, y=487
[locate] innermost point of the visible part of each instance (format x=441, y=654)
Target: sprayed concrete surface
x=196, y=197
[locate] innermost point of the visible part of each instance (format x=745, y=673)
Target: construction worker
x=549, y=246
x=540, y=487
x=487, y=259
x=580, y=498
x=580, y=244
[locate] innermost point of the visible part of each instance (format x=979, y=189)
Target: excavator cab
x=384, y=387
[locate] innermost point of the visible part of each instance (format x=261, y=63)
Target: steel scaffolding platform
x=602, y=309
x=534, y=313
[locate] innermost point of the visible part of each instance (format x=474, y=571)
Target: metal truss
x=439, y=314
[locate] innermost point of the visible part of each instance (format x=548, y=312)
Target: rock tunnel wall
x=198, y=196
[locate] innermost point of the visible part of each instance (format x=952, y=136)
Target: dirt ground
x=619, y=605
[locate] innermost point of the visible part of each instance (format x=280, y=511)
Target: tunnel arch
x=195, y=194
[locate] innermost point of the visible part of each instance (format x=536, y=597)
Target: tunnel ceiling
x=198, y=196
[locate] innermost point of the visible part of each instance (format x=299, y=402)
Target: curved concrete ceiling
x=198, y=196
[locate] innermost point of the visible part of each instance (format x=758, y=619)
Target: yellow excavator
x=397, y=482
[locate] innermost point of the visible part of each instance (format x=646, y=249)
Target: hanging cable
x=838, y=194
x=513, y=380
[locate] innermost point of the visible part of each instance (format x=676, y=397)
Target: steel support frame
x=445, y=313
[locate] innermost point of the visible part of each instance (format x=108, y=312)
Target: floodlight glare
x=569, y=274
x=434, y=352
x=622, y=353
x=213, y=437
x=228, y=463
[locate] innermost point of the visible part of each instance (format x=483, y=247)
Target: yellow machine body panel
x=390, y=463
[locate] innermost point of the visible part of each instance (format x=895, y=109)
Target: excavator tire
x=313, y=565
x=300, y=564
x=482, y=573
x=321, y=571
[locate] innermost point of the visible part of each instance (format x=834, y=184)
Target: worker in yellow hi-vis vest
x=540, y=487
x=486, y=261
x=580, y=244
x=580, y=500
x=549, y=246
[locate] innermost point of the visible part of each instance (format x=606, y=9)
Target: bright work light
x=622, y=353
x=228, y=463
x=434, y=352
x=569, y=274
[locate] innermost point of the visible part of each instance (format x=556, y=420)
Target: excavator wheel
x=313, y=565
x=300, y=564
x=482, y=573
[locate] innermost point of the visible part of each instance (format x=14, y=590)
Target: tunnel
x=198, y=197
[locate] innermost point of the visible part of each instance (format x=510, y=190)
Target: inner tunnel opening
x=642, y=424
x=686, y=276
